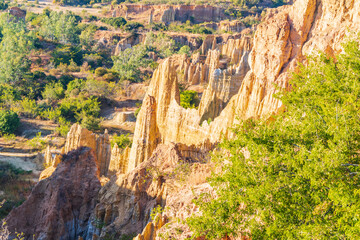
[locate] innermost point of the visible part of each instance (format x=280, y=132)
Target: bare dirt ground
x=18, y=149
x=20, y=160
x=48, y=3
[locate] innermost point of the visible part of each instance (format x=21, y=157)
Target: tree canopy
x=15, y=44
x=301, y=176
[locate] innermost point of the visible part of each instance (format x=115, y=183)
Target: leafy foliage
x=9, y=122
x=189, y=99
x=122, y=141
x=191, y=28
x=115, y=22
x=185, y=50
x=60, y=26
x=53, y=91
x=300, y=179
x=128, y=62
x=3, y=5
x=16, y=43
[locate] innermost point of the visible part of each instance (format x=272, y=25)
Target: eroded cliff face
x=109, y=161
x=60, y=206
x=169, y=137
x=287, y=35
x=163, y=120
x=168, y=13
x=126, y=202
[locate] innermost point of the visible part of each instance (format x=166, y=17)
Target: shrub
x=127, y=64
x=185, y=50
x=53, y=91
x=115, y=22
x=133, y=26
x=189, y=99
x=9, y=122
x=94, y=60
x=63, y=128
x=27, y=108
x=67, y=53
x=99, y=88
x=122, y=141
x=75, y=109
x=75, y=87
x=38, y=142
x=91, y=123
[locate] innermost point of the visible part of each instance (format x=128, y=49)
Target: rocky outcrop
x=150, y=231
x=60, y=206
x=162, y=119
x=81, y=137
x=168, y=13
x=119, y=160
x=125, y=203
x=129, y=41
x=226, y=75
x=280, y=42
x=50, y=160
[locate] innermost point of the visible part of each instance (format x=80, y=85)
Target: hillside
x=153, y=93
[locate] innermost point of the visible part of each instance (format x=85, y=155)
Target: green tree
x=59, y=26
x=189, y=99
x=53, y=91
x=9, y=122
x=301, y=174
x=185, y=50
x=16, y=43
x=128, y=63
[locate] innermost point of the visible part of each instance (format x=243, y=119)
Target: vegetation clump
x=9, y=122
x=122, y=141
x=189, y=99
x=299, y=178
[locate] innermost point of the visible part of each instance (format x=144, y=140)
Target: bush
x=67, y=53
x=9, y=122
x=133, y=26
x=91, y=123
x=38, y=142
x=94, y=60
x=100, y=71
x=63, y=128
x=53, y=91
x=100, y=88
x=189, y=99
x=127, y=64
x=122, y=141
x=185, y=50
x=75, y=87
x=75, y=109
x=115, y=22
x=27, y=108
